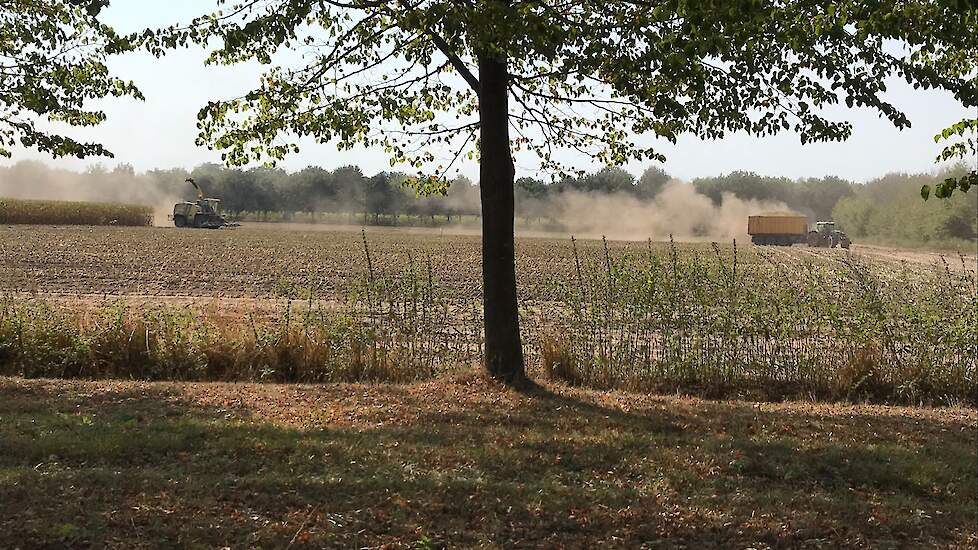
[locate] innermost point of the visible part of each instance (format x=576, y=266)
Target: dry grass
x=831, y=327
x=37, y=212
x=464, y=463
x=401, y=338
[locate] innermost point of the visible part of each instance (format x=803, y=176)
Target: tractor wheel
x=815, y=239
x=180, y=221
x=844, y=242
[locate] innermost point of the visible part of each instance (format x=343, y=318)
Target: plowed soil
x=262, y=262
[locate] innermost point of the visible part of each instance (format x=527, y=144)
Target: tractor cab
x=824, y=228
x=209, y=206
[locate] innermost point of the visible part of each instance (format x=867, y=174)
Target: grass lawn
x=465, y=463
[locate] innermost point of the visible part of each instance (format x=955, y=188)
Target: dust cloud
x=676, y=210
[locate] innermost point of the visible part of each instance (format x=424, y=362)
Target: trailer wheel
x=180, y=221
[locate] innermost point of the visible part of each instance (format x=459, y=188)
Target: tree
x=462, y=198
x=583, y=75
x=820, y=195
x=653, y=180
x=52, y=61
x=748, y=186
x=957, y=59
x=380, y=195
x=308, y=189
x=350, y=189
x=611, y=179
x=531, y=196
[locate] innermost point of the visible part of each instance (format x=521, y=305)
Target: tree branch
x=455, y=60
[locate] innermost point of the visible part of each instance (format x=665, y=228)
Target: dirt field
x=964, y=259
x=264, y=260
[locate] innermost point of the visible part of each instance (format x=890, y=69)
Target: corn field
x=15, y=211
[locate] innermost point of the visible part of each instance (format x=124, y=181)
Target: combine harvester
x=202, y=214
x=786, y=230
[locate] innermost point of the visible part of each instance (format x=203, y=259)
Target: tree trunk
x=504, y=350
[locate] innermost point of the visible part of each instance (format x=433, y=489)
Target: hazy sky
x=160, y=132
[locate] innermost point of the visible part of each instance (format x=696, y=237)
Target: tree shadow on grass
x=148, y=466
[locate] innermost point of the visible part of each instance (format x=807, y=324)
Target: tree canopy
x=52, y=62
x=584, y=75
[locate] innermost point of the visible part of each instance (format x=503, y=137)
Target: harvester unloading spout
x=200, y=194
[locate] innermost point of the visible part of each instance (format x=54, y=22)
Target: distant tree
x=531, y=196
x=52, y=63
x=170, y=182
x=569, y=183
x=653, y=180
x=350, y=192
x=610, y=180
x=124, y=169
x=410, y=75
x=380, y=195
x=309, y=189
x=820, y=195
x=531, y=187
x=96, y=169
x=744, y=185
x=462, y=198
x=270, y=189
x=213, y=181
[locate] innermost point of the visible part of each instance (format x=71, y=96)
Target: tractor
x=201, y=214
x=825, y=235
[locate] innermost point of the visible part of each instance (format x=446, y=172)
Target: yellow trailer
x=777, y=229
